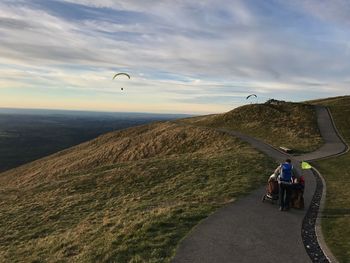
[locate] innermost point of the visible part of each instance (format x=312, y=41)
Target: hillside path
x=248, y=230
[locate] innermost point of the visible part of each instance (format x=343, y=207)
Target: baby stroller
x=272, y=189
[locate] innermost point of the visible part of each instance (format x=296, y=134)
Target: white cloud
x=336, y=11
x=177, y=49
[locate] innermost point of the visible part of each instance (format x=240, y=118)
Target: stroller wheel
x=263, y=198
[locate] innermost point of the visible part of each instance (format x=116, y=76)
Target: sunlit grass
x=292, y=125
x=134, y=207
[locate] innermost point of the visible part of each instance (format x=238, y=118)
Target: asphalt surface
x=332, y=143
x=249, y=230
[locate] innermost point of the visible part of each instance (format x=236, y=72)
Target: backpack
x=286, y=172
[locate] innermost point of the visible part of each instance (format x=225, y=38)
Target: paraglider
x=119, y=74
x=251, y=95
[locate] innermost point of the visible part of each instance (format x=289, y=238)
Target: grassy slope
x=292, y=125
x=127, y=196
x=336, y=222
x=40, y=135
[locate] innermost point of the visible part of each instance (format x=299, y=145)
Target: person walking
x=285, y=172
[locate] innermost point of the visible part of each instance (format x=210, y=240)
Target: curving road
x=251, y=231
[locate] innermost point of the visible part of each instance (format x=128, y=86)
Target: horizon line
x=91, y=111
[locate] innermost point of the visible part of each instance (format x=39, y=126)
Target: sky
x=183, y=56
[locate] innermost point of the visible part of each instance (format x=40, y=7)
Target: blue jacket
x=286, y=172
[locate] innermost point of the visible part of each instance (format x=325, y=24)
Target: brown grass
x=292, y=125
x=127, y=196
x=160, y=139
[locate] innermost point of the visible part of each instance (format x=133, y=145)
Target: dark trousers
x=285, y=193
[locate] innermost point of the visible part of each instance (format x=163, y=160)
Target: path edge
x=318, y=226
x=338, y=134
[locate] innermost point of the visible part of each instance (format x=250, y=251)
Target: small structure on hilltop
x=275, y=102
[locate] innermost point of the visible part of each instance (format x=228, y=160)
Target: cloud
x=179, y=50
x=335, y=11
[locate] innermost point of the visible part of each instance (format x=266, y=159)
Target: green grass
x=292, y=125
x=336, y=220
x=104, y=202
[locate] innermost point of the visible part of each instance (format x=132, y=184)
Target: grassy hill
x=27, y=135
x=132, y=195
x=127, y=196
x=336, y=220
x=292, y=125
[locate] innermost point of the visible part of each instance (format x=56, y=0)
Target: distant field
x=336, y=220
x=127, y=196
x=26, y=135
x=4, y=134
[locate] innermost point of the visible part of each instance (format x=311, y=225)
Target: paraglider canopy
x=251, y=95
x=121, y=73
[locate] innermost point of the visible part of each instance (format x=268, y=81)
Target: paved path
x=251, y=231
x=333, y=144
